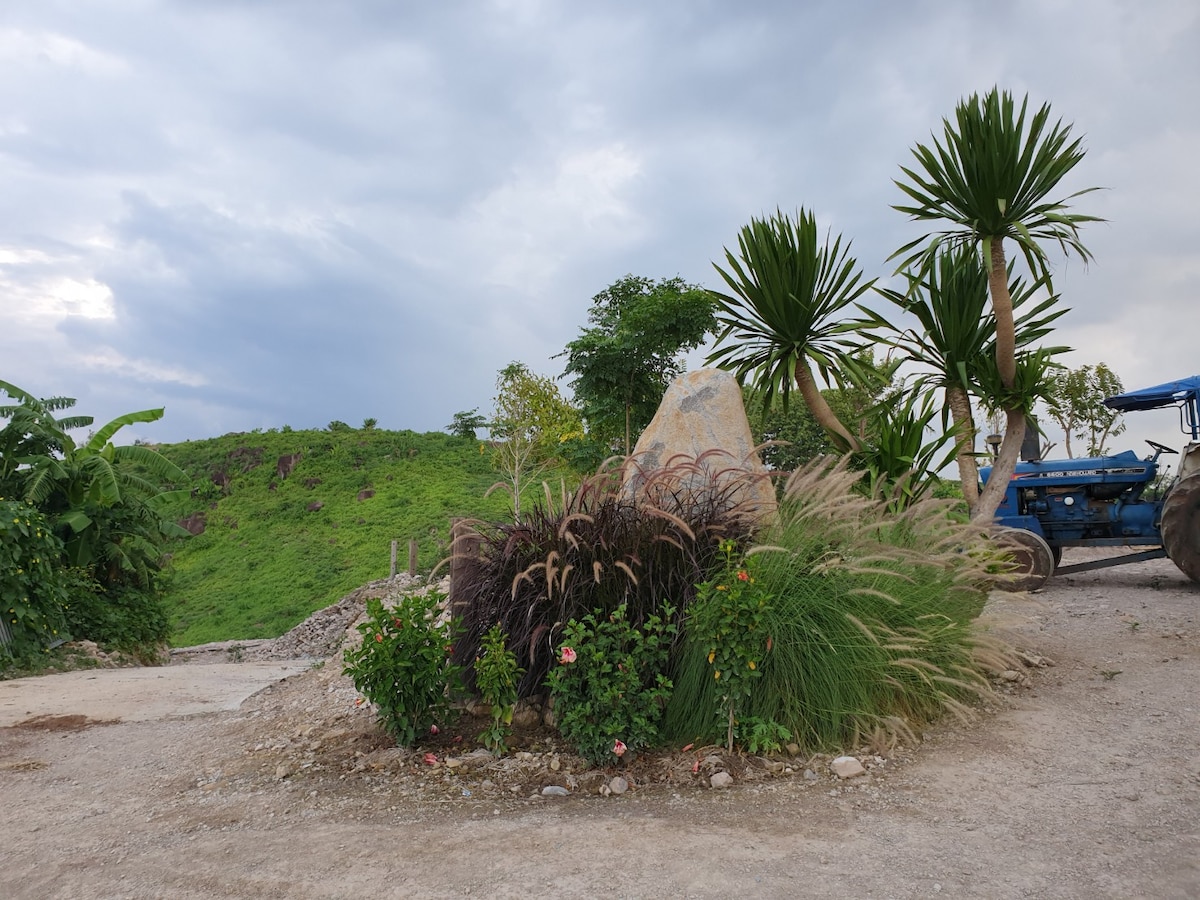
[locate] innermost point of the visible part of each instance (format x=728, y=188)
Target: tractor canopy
x=1169, y=394
x=1184, y=393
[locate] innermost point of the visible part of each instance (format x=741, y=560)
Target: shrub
x=496, y=675
x=131, y=619
x=871, y=619
x=728, y=617
x=596, y=550
x=32, y=584
x=403, y=666
x=608, y=687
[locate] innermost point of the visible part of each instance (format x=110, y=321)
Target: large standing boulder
x=700, y=438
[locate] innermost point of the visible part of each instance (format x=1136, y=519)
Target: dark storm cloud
x=291, y=212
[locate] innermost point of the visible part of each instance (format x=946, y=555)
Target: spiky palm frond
x=955, y=328
x=989, y=178
x=788, y=291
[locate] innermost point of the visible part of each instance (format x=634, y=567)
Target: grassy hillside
x=274, y=549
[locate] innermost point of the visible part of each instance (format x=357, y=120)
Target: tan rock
x=847, y=767
x=700, y=436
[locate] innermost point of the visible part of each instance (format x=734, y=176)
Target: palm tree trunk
x=825, y=416
x=1005, y=466
x=1002, y=309
x=968, y=469
x=1006, y=365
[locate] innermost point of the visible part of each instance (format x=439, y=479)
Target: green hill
x=277, y=545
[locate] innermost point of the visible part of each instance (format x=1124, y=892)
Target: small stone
x=451, y=762
x=847, y=767
x=526, y=718
x=555, y=765
x=810, y=775
x=721, y=780
x=793, y=749
x=554, y=790
x=618, y=785
x=1011, y=675
x=282, y=771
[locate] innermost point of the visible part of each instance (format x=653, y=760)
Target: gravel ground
x=1081, y=779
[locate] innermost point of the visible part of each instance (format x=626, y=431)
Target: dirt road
x=1082, y=781
x=139, y=695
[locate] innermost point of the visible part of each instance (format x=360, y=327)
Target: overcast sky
x=261, y=213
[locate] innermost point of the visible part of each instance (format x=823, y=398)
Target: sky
x=285, y=212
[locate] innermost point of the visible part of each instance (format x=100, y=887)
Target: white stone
x=721, y=780
x=847, y=767
x=618, y=785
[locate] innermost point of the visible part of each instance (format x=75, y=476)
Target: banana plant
x=106, y=502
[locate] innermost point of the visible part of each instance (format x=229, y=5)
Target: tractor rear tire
x=1181, y=526
x=1033, y=557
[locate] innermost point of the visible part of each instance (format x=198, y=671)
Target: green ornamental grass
x=871, y=620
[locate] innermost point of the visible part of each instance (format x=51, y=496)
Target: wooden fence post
x=392, y=570
x=412, y=557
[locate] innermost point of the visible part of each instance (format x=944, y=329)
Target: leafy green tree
x=785, y=314
x=465, y=424
x=624, y=361
x=531, y=421
x=989, y=180
x=1076, y=403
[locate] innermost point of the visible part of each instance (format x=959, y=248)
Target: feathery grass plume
x=600, y=547
x=871, y=619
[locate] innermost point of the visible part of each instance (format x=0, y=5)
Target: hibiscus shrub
x=496, y=677
x=728, y=618
x=403, y=666
x=608, y=684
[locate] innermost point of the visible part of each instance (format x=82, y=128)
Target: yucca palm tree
x=783, y=317
x=989, y=180
x=955, y=330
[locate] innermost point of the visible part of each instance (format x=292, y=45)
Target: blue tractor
x=1101, y=501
